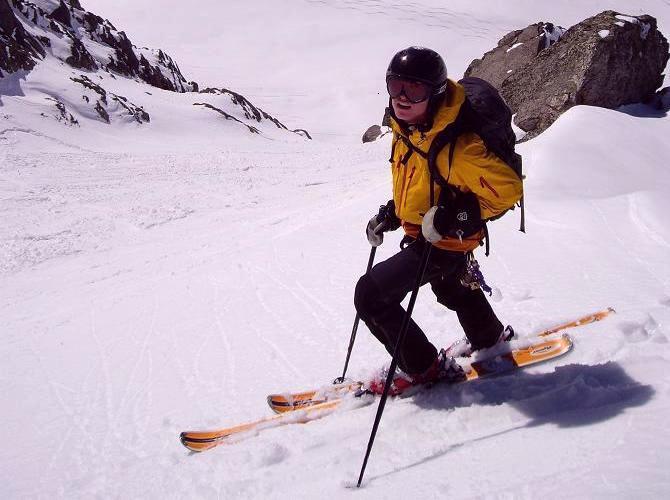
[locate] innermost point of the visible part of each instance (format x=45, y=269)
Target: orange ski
x=519, y=358
x=205, y=440
x=542, y=350
x=591, y=318
x=281, y=403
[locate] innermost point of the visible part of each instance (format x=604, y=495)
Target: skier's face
x=409, y=112
x=409, y=98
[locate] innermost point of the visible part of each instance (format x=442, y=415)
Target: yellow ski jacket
x=474, y=169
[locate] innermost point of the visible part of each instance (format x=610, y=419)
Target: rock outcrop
x=62, y=114
x=514, y=51
x=31, y=31
x=251, y=112
x=108, y=104
x=19, y=50
x=608, y=60
x=71, y=23
x=62, y=15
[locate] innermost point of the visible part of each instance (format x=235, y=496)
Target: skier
x=423, y=102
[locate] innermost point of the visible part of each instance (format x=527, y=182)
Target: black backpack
x=485, y=113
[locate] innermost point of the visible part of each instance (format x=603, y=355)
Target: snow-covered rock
x=71, y=31
x=57, y=52
x=607, y=60
x=514, y=51
x=19, y=50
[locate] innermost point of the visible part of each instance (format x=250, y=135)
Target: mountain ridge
x=86, y=47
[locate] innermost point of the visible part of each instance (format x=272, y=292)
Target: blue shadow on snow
x=572, y=395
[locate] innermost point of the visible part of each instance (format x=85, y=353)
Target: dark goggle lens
x=414, y=91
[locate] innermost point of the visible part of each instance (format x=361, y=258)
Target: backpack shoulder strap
x=412, y=147
x=448, y=135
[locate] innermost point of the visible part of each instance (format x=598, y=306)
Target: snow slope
x=145, y=292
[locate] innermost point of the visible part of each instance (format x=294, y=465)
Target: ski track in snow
x=231, y=366
x=416, y=13
x=147, y=290
x=302, y=298
x=639, y=220
x=216, y=357
x=626, y=245
x=264, y=336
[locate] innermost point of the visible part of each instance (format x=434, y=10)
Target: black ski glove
x=457, y=215
x=385, y=220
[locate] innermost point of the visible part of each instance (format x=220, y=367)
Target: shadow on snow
x=571, y=396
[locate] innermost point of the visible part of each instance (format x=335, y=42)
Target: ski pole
x=357, y=319
x=394, y=361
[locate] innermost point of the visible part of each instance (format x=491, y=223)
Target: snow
x=167, y=276
x=518, y=44
x=604, y=33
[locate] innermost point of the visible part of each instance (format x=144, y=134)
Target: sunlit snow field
x=153, y=281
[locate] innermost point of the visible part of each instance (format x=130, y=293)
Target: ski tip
x=184, y=441
x=196, y=444
x=183, y=438
x=270, y=401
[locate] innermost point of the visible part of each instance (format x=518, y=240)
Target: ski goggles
x=414, y=91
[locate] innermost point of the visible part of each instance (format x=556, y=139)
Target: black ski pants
x=379, y=294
